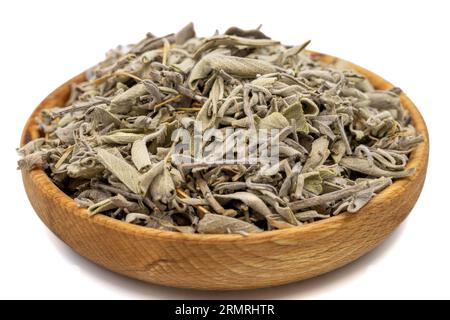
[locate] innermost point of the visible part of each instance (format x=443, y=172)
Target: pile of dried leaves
x=110, y=147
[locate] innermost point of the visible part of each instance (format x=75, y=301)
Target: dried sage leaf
x=121, y=169
x=216, y=224
x=363, y=166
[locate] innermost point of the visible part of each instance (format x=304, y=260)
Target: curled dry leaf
x=137, y=218
x=163, y=189
x=123, y=102
x=364, y=166
x=33, y=160
x=121, y=169
x=120, y=138
x=310, y=215
x=380, y=183
x=275, y=120
x=214, y=223
x=228, y=40
x=250, y=200
x=146, y=179
x=242, y=67
x=318, y=155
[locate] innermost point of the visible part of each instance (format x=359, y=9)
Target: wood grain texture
x=225, y=262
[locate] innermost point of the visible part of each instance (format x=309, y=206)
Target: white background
x=44, y=43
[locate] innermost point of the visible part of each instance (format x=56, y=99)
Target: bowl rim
x=43, y=181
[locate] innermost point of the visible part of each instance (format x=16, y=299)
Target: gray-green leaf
x=121, y=169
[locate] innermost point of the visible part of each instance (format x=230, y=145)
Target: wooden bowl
x=225, y=262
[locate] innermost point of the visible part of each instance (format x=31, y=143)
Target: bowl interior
x=418, y=159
